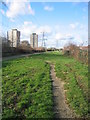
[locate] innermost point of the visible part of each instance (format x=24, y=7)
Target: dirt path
x=61, y=109
x=19, y=56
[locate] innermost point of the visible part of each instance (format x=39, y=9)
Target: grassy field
x=27, y=91
x=27, y=87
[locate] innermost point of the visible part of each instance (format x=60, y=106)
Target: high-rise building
x=13, y=37
x=34, y=40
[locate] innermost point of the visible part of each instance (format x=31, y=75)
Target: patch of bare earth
x=61, y=108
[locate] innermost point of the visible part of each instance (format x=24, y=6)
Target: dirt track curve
x=61, y=108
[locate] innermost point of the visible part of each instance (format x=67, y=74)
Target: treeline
x=78, y=52
x=21, y=49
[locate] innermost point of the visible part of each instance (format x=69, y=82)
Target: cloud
x=12, y=20
x=31, y=11
x=18, y=8
x=58, y=36
x=28, y=28
x=74, y=25
x=82, y=26
x=27, y=23
x=48, y=8
x=53, y=35
x=66, y=37
x=2, y=11
x=70, y=36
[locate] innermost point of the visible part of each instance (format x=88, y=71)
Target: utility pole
x=43, y=39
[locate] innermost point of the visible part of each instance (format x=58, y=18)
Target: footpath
x=61, y=108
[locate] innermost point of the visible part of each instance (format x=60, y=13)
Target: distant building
x=3, y=40
x=13, y=37
x=25, y=43
x=34, y=40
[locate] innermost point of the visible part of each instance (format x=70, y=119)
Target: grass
x=27, y=89
x=75, y=76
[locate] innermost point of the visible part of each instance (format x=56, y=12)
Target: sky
x=62, y=22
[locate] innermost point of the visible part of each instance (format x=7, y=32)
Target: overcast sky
x=62, y=22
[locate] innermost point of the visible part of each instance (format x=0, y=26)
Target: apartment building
x=13, y=37
x=34, y=40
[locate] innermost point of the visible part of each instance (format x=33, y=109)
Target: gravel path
x=61, y=109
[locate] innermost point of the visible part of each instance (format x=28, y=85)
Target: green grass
x=75, y=76
x=27, y=89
